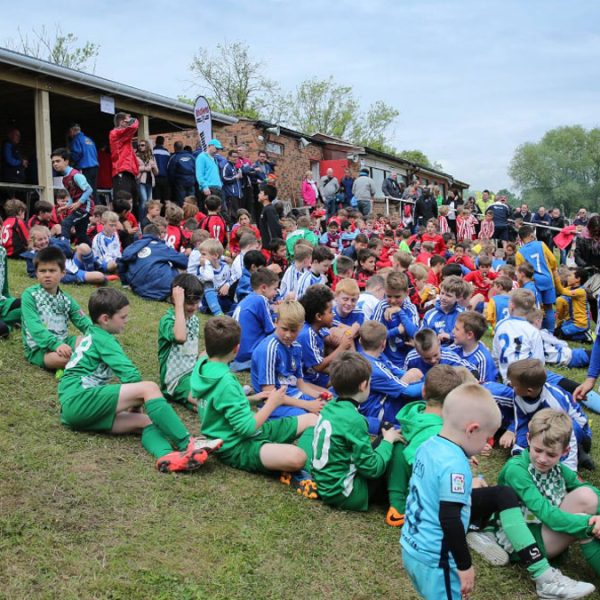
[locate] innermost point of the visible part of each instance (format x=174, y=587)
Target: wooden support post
x=144, y=129
x=43, y=143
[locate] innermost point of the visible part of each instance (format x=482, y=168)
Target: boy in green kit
x=46, y=311
x=90, y=403
x=250, y=442
x=178, y=338
x=10, y=308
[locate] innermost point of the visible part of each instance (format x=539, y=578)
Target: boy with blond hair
x=470, y=327
x=214, y=273
x=106, y=245
x=497, y=306
x=345, y=313
x=442, y=317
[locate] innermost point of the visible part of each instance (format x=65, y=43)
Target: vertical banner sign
x=203, y=121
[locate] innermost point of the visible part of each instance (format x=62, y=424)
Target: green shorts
x=358, y=500
x=246, y=454
x=93, y=409
x=36, y=357
x=181, y=393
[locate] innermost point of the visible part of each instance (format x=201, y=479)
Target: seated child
x=370, y=298
x=251, y=442
x=425, y=294
x=343, y=268
x=10, y=307
x=525, y=273
x=318, y=309
x=175, y=237
x=106, y=245
x=514, y=337
x=572, y=308
x=214, y=222
x=277, y=362
x=153, y=208
x=345, y=313
x=95, y=222
x=344, y=460
x=14, y=235
x=431, y=235
x=129, y=231
x=366, y=267
x=278, y=261
x=322, y=257
x=499, y=259
x=360, y=242
x=434, y=273
x=556, y=351
x=300, y=263
x=532, y=393
x=89, y=402
x=243, y=223
x=481, y=279
x=428, y=352
x=253, y=260
x=470, y=327
x=497, y=306
x=42, y=215
x=149, y=266
x=303, y=232
x=400, y=317
x=214, y=274
x=443, y=316
x=461, y=257
x=45, y=314
x=178, y=338
x=560, y=508
x=254, y=314
x=424, y=256
x=390, y=385
x=331, y=238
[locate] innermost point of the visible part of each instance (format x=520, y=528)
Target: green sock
x=591, y=553
x=155, y=442
x=523, y=541
x=305, y=442
x=161, y=413
x=398, y=475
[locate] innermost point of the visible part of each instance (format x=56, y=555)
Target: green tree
x=57, y=47
x=415, y=156
x=513, y=199
x=562, y=169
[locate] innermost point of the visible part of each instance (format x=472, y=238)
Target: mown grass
x=87, y=516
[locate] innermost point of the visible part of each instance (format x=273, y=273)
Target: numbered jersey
x=542, y=260
x=342, y=450
x=441, y=473
x=515, y=339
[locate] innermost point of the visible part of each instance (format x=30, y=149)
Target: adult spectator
x=181, y=173
x=581, y=218
x=13, y=164
x=329, y=188
x=522, y=212
x=502, y=213
x=363, y=190
x=452, y=202
x=541, y=217
x=557, y=220
x=232, y=185
x=84, y=156
x=124, y=161
x=310, y=190
x=245, y=166
x=261, y=169
x=425, y=208
x=104, y=180
x=161, y=189
x=147, y=171
x=587, y=254
x=390, y=186
x=346, y=183
x=207, y=170
x=484, y=202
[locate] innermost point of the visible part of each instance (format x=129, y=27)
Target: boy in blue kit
x=253, y=260
x=470, y=327
x=497, y=306
x=106, y=244
x=254, y=315
x=302, y=261
x=434, y=546
x=391, y=387
x=178, y=340
x=277, y=362
x=214, y=273
x=322, y=257
x=443, y=316
x=318, y=304
x=400, y=317
x=89, y=402
x=345, y=313
x=525, y=273
x=540, y=257
x=428, y=352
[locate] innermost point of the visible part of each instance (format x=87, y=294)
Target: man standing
x=181, y=173
x=162, y=156
x=502, y=214
x=347, y=182
x=84, y=156
x=207, y=171
x=541, y=217
x=245, y=166
x=582, y=218
x=364, y=192
x=13, y=165
x=390, y=186
x=329, y=189
x=125, y=167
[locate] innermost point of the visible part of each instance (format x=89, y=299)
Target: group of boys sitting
x=346, y=344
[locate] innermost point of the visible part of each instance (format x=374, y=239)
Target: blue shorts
x=77, y=277
x=580, y=359
x=548, y=296
x=432, y=583
x=572, y=331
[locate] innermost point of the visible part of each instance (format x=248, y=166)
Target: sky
x=472, y=80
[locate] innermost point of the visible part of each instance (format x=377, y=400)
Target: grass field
x=87, y=516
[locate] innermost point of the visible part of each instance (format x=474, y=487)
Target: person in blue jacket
x=208, y=174
x=149, y=266
x=162, y=156
x=13, y=164
x=84, y=156
x=181, y=172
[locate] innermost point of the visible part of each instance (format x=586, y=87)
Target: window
x=274, y=148
x=378, y=176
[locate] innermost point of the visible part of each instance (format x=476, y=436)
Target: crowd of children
x=364, y=347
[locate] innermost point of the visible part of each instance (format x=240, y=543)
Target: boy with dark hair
x=14, y=235
x=178, y=339
x=214, y=222
x=344, y=461
x=253, y=260
x=443, y=316
x=45, y=314
x=429, y=352
x=303, y=232
x=122, y=205
x=434, y=275
x=268, y=222
x=254, y=314
x=42, y=214
x=322, y=257
x=482, y=278
x=301, y=262
x=572, y=308
x=247, y=242
x=90, y=403
x=366, y=260
x=360, y=242
x=10, y=308
x=461, y=257
x=525, y=273
x=469, y=328
x=175, y=236
x=318, y=309
x=251, y=441
x=80, y=191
